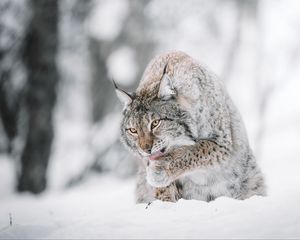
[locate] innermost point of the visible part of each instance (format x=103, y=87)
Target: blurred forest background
x=59, y=116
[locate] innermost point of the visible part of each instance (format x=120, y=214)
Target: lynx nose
x=145, y=143
x=147, y=149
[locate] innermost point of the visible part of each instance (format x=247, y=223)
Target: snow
x=105, y=21
x=122, y=66
x=103, y=207
x=7, y=174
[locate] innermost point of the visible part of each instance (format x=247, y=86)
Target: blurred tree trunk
x=13, y=24
x=40, y=94
x=8, y=112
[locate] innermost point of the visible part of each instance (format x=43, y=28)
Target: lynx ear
x=124, y=97
x=166, y=89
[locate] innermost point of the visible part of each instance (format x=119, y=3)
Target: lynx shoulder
x=187, y=134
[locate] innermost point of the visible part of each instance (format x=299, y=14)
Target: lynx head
x=154, y=122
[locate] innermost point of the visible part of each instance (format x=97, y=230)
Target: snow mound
x=103, y=207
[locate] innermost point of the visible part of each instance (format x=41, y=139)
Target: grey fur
x=207, y=153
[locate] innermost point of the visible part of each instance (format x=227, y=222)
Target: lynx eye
x=155, y=123
x=132, y=130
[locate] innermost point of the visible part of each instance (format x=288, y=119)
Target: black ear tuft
x=124, y=97
x=115, y=85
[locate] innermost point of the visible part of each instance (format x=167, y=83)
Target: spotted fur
x=203, y=146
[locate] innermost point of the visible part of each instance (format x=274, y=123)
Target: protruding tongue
x=156, y=155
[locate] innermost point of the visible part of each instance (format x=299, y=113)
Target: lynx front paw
x=157, y=175
x=163, y=194
x=170, y=193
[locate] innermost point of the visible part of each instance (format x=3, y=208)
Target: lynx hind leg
x=171, y=193
x=254, y=183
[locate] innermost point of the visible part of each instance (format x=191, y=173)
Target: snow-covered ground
x=103, y=207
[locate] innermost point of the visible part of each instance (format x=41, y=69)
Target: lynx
x=187, y=135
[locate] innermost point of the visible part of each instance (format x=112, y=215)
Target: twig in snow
x=10, y=219
x=149, y=203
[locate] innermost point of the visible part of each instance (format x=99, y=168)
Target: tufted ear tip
x=124, y=97
x=115, y=85
x=166, y=88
